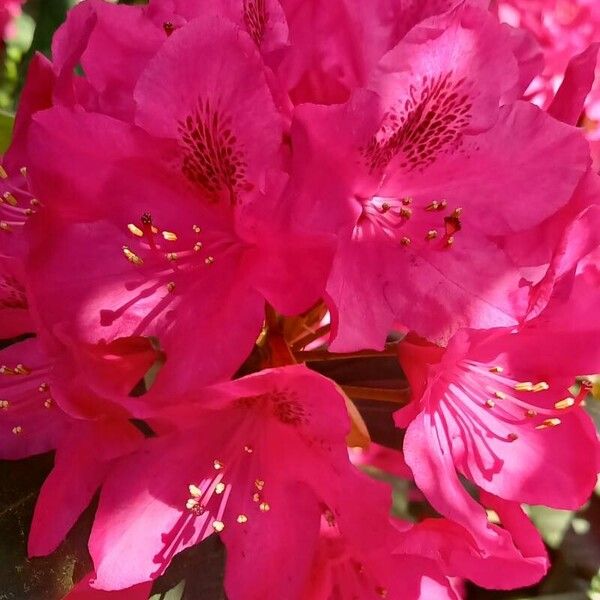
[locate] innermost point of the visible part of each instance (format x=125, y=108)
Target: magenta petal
x=568, y=103
x=84, y=591
x=82, y=462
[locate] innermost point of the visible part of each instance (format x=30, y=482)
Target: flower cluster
x=201, y=193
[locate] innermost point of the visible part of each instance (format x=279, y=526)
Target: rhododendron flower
x=175, y=225
x=429, y=172
x=259, y=460
x=495, y=406
x=9, y=11
x=509, y=556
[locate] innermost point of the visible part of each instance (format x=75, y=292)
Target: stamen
x=132, y=257
x=135, y=230
x=196, y=229
x=431, y=234
x=23, y=171
x=248, y=449
x=564, y=404
x=549, y=423
x=48, y=403
x=530, y=413
x=195, y=491
x=496, y=369
x=406, y=213
x=4, y=404
x=217, y=464
x=197, y=246
x=22, y=370
x=43, y=388
x=17, y=430
x=4, y=226
x=242, y=519
x=542, y=386
x=169, y=236
x=264, y=507
x=489, y=403
x=405, y=241
x=218, y=526
x=524, y=386
x=407, y=201
x=435, y=205
x=10, y=199
x=3, y=173
x=259, y=484
x=500, y=395
x=450, y=241
x=209, y=260
x=219, y=488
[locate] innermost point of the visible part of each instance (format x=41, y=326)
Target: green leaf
x=175, y=593
x=7, y=121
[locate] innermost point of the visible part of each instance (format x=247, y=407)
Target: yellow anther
x=524, y=386
x=259, y=484
x=248, y=449
x=4, y=404
x=10, y=199
x=194, y=490
x=172, y=256
x=21, y=369
x=48, y=403
x=542, y=386
x=218, y=526
x=197, y=246
x=43, y=388
x=132, y=257
x=565, y=403
x=385, y=207
x=256, y=497
x=3, y=173
x=450, y=241
x=549, y=423
x=431, y=234
x=456, y=213
x=23, y=171
x=34, y=202
x=437, y=205
x=242, y=519
x=17, y=430
x=405, y=241
x=489, y=403
x=4, y=370
x=496, y=369
x=530, y=413
x=217, y=464
x=219, y=488
x=192, y=504
x=407, y=201
x=4, y=226
x=171, y=286
x=196, y=229
x=135, y=230
x=169, y=236
x=500, y=395
x=406, y=213
x=264, y=507
x=209, y=260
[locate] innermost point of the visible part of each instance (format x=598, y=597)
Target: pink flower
x=15, y=318
x=335, y=46
x=9, y=11
x=340, y=571
x=175, y=220
x=83, y=591
x=511, y=554
x=564, y=28
x=260, y=460
x=495, y=406
x=421, y=175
